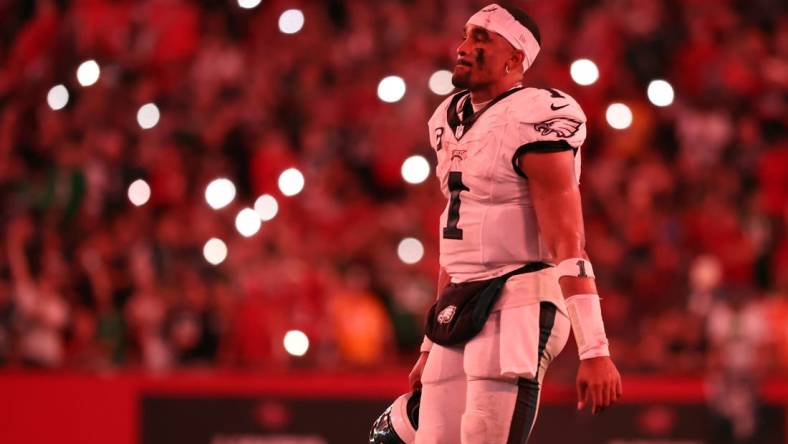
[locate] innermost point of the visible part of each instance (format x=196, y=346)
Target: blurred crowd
x=686, y=210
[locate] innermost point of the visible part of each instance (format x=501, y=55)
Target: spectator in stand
x=89, y=281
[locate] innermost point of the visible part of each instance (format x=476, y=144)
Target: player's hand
x=598, y=383
x=414, y=378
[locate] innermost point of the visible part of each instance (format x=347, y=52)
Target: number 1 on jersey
x=450, y=231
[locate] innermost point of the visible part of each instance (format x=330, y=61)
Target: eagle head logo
x=561, y=126
x=446, y=315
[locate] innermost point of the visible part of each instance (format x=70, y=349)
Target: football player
x=509, y=166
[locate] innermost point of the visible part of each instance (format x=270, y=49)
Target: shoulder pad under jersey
x=548, y=114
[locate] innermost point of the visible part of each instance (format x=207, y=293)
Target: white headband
x=497, y=19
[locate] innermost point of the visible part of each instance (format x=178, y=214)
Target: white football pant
x=487, y=391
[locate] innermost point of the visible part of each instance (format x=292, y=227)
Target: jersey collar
x=460, y=127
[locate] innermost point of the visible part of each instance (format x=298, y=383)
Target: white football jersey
x=489, y=226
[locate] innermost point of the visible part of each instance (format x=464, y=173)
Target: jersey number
x=582, y=266
x=450, y=231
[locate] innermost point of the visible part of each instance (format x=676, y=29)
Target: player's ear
x=516, y=59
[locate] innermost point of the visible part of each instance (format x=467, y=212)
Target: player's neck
x=493, y=90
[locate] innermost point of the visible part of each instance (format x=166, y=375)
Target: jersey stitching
x=452, y=117
x=490, y=170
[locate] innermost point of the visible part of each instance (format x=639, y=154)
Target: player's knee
x=475, y=428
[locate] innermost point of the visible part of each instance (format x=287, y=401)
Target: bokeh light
x=415, y=169
x=291, y=21
x=57, y=97
x=619, y=116
x=296, y=342
x=410, y=250
x=584, y=72
x=660, y=93
x=248, y=4
x=705, y=273
x=219, y=193
x=266, y=207
x=248, y=222
x=214, y=251
x=391, y=89
x=139, y=192
x=88, y=73
x=148, y=116
x=440, y=82
x=291, y=182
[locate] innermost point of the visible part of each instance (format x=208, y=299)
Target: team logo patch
x=446, y=315
x=561, y=126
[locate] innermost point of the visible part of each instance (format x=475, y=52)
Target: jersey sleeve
x=437, y=124
x=547, y=121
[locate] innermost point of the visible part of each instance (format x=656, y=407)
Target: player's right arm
x=435, y=127
x=414, y=378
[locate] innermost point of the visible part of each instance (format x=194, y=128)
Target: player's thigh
x=553, y=335
x=517, y=342
x=489, y=409
x=442, y=397
x=500, y=411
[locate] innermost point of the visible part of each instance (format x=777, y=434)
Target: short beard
x=462, y=81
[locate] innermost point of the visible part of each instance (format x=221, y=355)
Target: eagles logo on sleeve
x=562, y=126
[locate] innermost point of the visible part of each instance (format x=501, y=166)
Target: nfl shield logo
x=446, y=315
x=458, y=132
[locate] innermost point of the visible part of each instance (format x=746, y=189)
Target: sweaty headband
x=498, y=20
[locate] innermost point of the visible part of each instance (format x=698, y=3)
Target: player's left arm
x=556, y=198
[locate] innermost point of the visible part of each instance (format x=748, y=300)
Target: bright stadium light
x=88, y=73
x=410, y=250
x=148, y=116
x=415, y=169
x=584, y=72
x=291, y=21
x=57, y=97
x=660, y=93
x=296, y=343
x=247, y=222
x=291, y=182
x=219, y=193
x=214, y=251
x=440, y=82
x=139, y=192
x=391, y=89
x=619, y=116
x=266, y=207
x=248, y=4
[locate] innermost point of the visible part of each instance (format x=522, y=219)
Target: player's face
x=481, y=58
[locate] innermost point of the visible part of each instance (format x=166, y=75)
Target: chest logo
x=561, y=126
x=458, y=154
x=447, y=314
x=438, y=139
